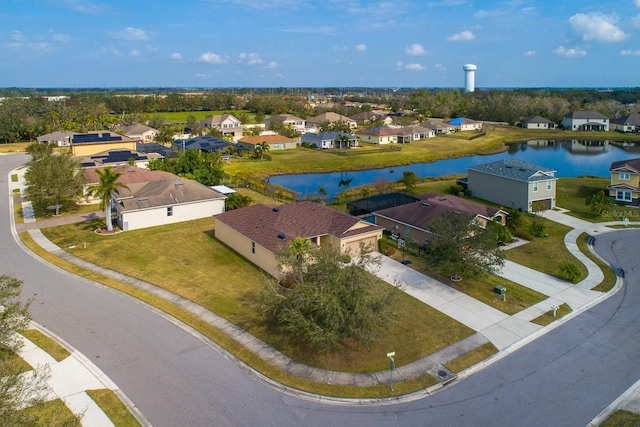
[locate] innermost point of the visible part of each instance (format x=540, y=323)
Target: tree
x=108, y=183
x=53, y=181
x=237, y=201
x=323, y=301
x=157, y=121
x=458, y=246
x=261, y=149
x=18, y=391
x=165, y=135
x=410, y=181
x=598, y=202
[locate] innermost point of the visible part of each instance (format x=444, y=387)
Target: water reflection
x=569, y=158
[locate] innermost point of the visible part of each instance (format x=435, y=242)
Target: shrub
x=537, y=228
x=570, y=272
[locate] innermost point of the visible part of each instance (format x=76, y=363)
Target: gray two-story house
x=514, y=184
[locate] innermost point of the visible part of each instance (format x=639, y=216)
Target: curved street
x=175, y=377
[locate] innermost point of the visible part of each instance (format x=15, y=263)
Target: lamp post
x=391, y=367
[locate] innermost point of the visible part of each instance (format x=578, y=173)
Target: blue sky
x=337, y=43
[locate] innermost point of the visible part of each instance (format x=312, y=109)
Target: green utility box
x=500, y=290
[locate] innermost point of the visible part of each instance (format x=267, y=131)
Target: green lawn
x=186, y=259
x=610, y=277
x=622, y=418
x=111, y=404
x=471, y=358
x=545, y=254
x=53, y=413
x=47, y=344
x=547, y=317
x=572, y=193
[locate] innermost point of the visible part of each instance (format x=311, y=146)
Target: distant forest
x=28, y=113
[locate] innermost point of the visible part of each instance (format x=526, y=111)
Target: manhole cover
x=442, y=373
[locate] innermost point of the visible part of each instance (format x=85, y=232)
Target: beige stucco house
x=625, y=181
x=225, y=123
x=514, y=184
x=140, y=133
x=314, y=123
x=59, y=138
x=164, y=201
x=381, y=135
x=537, y=122
x=275, y=142
x=258, y=232
x=295, y=122
x=411, y=221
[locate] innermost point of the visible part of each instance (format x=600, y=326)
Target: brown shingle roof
x=130, y=174
x=269, y=139
x=420, y=214
x=381, y=131
x=633, y=164
x=264, y=223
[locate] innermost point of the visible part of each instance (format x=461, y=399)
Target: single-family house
x=406, y=134
x=59, y=138
x=585, y=120
x=258, y=232
x=140, y=133
x=439, y=127
x=287, y=119
x=367, y=117
x=625, y=181
x=628, y=123
x=275, y=142
x=225, y=123
x=324, y=140
x=329, y=117
x=204, y=143
x=412, y=221
x=113, y=158
x=514, y=184
x=164, y=201
x=87, y=144
x=380, y=135
x=537, y=122
x=128, y=175
x=463, y=124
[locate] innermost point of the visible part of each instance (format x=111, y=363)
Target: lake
x=570, y=158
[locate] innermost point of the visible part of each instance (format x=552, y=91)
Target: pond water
x=570, y=158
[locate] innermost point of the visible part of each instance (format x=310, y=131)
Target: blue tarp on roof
x=457, y=121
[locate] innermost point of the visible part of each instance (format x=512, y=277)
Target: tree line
x=23, y=118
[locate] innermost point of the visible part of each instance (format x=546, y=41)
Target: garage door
x=541, y=205
x=353, y=248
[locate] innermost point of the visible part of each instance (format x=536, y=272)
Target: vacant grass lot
x=186, y=259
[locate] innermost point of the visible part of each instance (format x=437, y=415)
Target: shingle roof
x=284, y=118
x=630, y=119
x=269, y=139
x=263, y=223
x=380, y=131
x=130, y=174
x=137, y=129
x=56, y=136
x=536, y=119
x=585, y=114
x=633, y=164
x=329, y=117
x=217, y=119
x=515, y=169
x=166, y=191
x=420, y=214
x=324, y=136
x=203, y=143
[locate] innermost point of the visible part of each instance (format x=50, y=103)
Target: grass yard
x=14, y=147
x=610, y=277
x=53, y=413
x=47, y=344
x=111, y=404
x=11, y=358
x=471, y=358
x=622, y=418
x=573, y=192
x=547, y=317
x=222, y=281
x=546, y=254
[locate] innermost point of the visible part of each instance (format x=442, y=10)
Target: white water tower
x=469, y=77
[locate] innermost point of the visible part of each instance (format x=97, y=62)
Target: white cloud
x=415, y=67
x=271, y=64
x=415, y=49
x=530, y=53
x=134, y=52
x=490, y=13
x=630, y=52
x=175, y=56
x=131, y=33
x=570, y=53
x=399, y=65
x=262, y=4
x=363, y=47
x=439, y=67
x=213, y=58
x=58, y=37
x=17, y=36
x=635, y=21
x=462, y=36
x=85, y=6
x=250, y=58
x=596, y=27
x=21, y=41
x=638, y=3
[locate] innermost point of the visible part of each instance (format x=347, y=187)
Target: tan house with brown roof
x=140, y=133
x=330, y=117
x=412, y=221
x=164, y=201
x=275, y=142
x=226, y=123
x=381, y=135
x=257, y=232
x=295, y=122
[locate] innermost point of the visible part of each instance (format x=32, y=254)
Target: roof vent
x=425, y=203
x=281, y=236
x=522, y=169
x=508, y=166
x=142, y=199
x=179, y=183
x=276, y=209
x=457, y=212
x=442, y=199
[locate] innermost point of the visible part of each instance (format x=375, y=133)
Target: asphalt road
x=177, y=379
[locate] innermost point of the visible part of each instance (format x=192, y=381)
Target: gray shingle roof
x=630, y=119
x=515, y=169
x=585, y=114
x=536, y=119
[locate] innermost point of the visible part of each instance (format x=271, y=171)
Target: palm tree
x=108, y=183
x=264, y=147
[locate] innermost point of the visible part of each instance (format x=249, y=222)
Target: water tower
x=469, y=77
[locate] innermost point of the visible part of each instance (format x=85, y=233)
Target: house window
x=548, y=185
x=624, y=176
x=314, y=240
x=170, y=211
x=535, y=187
x=407, y=231
x=625, y=196
x=253, y=247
